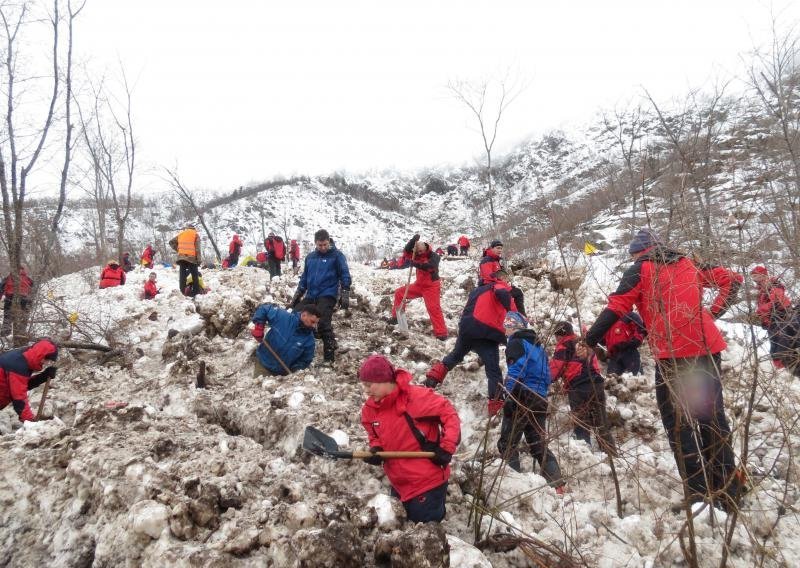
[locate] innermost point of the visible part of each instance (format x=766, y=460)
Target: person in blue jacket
x=525, y=408
x=291, y=337
x=324, y=271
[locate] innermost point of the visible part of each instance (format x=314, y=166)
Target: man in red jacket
x=294, y=255
x=667, y=288
x=16, y=368
x=399, y=416
x=774, y=309
x=148, y=254
x=491, y=262
x=463, y=245
x=9, y=290
x=112, y=275
x=480, y=330
x=426, y=286
x=234, y=250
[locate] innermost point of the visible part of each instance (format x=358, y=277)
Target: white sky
x=238, y=91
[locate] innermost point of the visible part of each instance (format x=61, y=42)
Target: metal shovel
x=323, y=445
x=402, y=321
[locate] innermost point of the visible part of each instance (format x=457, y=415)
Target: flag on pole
x=589, y=248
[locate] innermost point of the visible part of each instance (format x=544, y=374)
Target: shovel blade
x=320, y=444
x=402, y=321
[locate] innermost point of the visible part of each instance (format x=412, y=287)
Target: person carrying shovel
x=399, y=416
x=17, y=378
x=289, y=345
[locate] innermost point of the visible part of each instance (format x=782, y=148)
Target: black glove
x=344, y=300
x=41, y=378
x=431, y=383
x=441, y=458
x=296, y=299
x=374, y=460
x=409, y=248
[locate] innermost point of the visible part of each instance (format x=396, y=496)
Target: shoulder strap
x=420, y=437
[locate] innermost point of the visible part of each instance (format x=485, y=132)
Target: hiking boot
x=561, y=489
x=441, y=337
x=437, y=372
x=392, y=320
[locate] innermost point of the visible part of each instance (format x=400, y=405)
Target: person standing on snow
x=324, y=271
x=401, y=417
x=480, y=330
x=294, y=254
x=234, y=250
x=291, y=338
x=187, y=245
x=9, y=290
x=16, y=370
x=623, y=341
x=426, y=286
x=774, y=310
x=463, y=245
x=148, y=255
x=585, y=387
x=666, y=287
x=112, y=275
x=491, y=262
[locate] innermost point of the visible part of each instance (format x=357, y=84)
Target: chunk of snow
x=341, y=438
x=465, y=555
x=149, y=517
x=382, y=504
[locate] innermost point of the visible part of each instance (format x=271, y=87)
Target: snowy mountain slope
x=186, y=476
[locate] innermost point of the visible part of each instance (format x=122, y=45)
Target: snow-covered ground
x=216, y=477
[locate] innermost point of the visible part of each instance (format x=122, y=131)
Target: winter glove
x=431, y=383
x=442, y=458
x=296, y=299
x=344, y=300
x=494, y=406
x=409, y=248
x=41, y=378
x=258, y=332
x=778, y=364
x=374, y=460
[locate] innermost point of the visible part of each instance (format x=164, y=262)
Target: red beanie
x=759, y=270
x=376, y=369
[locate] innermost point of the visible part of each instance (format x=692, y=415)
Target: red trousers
x=430, y=294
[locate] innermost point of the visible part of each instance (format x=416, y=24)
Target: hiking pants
x=8, y=316
x=274, y=267
x=325, y=326
x=427, y=507
x=431, y=295
x=525, y=414
x=185, y=268
x=625, y=361
x=689, y=397
x=487, y=350
x=587, y=400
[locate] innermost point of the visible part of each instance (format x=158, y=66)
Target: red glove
x=258, y=331
x=495, y=406
x=778, y=364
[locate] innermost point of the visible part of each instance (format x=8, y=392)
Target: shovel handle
x=45, y=390
x=359, y=454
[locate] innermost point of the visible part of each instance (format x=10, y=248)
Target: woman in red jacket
x=399, y=416
x=112, y=275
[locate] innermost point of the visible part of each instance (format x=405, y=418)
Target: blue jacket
x=322, y=274
x=289, y=338
x=527, y=363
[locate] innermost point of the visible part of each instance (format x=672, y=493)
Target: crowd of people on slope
x=659, y=299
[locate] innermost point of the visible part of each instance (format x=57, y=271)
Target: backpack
x=280, y=249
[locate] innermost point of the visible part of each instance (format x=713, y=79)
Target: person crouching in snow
x=150, y=288
x=289, y=342
x=16, y=368
x=480, y=330
x=426, y=286
x=399, y=416
x=112, y=275
x=525, y=409
x=585, y=386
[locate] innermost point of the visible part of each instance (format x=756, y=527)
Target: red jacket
x=463, y=241
x=150, y=290
x=565, y=364
x=147, y=255
x=236, y=245
x=112, y=276
x=387, y=428
x=16, y=368
x=25, y=286
x=490, y=263
x=427, y=265
x=772, y=302
x=485, y=312
x=626, y=333
x=261, y=257
x=294, y=250
x=667, y=289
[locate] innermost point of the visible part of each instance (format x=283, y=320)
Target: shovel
x=402, y=321
x=323, y=445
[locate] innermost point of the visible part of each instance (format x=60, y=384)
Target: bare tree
x=186, y=196
x=626, y=128
x=476, y=96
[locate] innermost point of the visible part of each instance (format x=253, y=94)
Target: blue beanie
x=644, y=239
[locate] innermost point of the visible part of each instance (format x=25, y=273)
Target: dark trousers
x=274, y=267
x=8, y=316
x=519, y=300
x=587, y=400
x=464, y=251
x=325, y=326
x=486, y=349
x=428, y=507
x=525, y=414
x=689, y=396
x=233, y=260
x=784, y=342
x=625, y=361
x=186, y=268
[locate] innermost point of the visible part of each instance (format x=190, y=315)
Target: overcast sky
x=239, y=91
